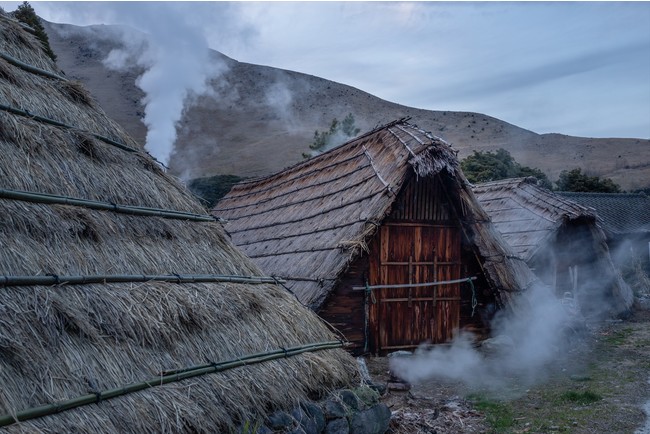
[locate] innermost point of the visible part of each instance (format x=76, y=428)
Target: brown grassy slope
x=263, y=119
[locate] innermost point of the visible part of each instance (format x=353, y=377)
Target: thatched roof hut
x=121, y=299
x=561, y=240
x=389, y=207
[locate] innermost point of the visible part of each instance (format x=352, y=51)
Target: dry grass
x=41, y=158
x=7, y=73
x=78, y=93
x=24, y=46
x=59, y=342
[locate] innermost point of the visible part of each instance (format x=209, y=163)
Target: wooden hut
x=366, y=234
x=123, y=305
x=560, y=240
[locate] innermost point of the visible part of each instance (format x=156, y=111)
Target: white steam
x=527, y=339
x=176, y=59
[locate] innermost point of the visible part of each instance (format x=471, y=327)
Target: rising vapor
x=528, y=338
x=176, y=59
x=168, y=44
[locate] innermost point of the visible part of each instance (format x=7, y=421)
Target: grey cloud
x=511, y=80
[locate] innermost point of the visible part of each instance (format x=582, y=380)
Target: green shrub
x=211, y=189
x=585, y=397
x=26, y=14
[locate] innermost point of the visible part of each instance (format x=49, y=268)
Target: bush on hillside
x=211, y=189
x=493, y=166
x=26, y=14
x=338, y=133
x=575, y=180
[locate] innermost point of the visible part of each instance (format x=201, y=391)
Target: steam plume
x=177, y=64
x=527, y=339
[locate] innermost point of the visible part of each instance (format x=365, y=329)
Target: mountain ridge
x=260, y=119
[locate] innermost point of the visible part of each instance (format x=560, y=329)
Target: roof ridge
x=315, y=159
x=602, y=194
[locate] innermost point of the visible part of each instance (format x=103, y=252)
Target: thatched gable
x=308, y=223
x=527, y=215
x=112, y=274
x=539, y=224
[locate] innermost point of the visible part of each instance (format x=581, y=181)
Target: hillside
x=261, y=119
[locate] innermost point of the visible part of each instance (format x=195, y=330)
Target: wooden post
x=410, y=302
x=435, y=278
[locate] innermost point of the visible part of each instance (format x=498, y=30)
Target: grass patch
x=585, y=397
x=619, y=337
x=498, y=414
x=581, y=378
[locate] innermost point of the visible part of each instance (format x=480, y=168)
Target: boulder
x=334, y=409
x=315, y=413
x=350, y=399
x=338, y=426
x=374, y=420
x=280, y=421
x=305, y=422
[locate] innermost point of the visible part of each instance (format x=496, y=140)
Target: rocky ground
x=603, y=387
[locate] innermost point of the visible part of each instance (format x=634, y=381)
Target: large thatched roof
x=309, y=222
x=530, y=219
x=92, y=214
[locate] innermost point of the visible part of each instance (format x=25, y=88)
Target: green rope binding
x=474, y=300
x=164, y=378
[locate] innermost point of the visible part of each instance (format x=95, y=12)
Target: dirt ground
x=602, y=387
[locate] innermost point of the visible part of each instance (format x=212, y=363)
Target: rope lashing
x=57, y=281
x=372, y=294
x=474, y=300
x=412, y=285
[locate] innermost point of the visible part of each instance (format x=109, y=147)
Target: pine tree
x=26, y=14
x=338, y=131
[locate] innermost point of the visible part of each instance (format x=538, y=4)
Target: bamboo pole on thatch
x=164, y=378
x=59, y=342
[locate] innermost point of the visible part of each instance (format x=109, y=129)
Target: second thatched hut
x=382, y=237
x=562, y=242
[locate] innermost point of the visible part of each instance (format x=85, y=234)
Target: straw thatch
x=59, y=342
x=538, y=223
x=308, y=223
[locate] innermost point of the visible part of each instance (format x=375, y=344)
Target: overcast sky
x=579, y=68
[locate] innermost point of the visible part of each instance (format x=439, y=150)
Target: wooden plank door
x=411, y=253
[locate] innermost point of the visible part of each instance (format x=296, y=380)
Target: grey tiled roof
x=621, y=213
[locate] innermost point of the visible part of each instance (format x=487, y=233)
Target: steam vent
x=124, y=307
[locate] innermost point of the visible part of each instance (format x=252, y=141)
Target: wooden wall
x=426, y=231
x=345, y=308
